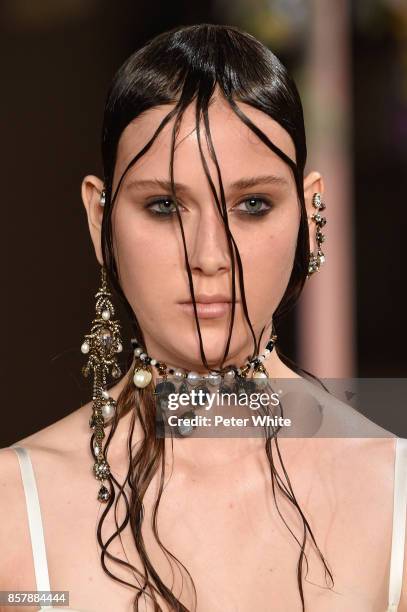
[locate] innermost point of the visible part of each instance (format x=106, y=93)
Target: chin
x=214, y=344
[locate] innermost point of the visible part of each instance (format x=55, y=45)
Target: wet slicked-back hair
x=181, y=67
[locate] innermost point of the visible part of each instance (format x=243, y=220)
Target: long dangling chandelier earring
x=317, y=259
x=102, y=346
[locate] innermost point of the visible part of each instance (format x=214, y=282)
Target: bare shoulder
x=378, y=452
x=55, y=452
x=56, y=442
x=13, y=531
x=403, y=598
x=373, y=457
x=377, y=462
x=361, y=467
x=52, y=450
x=60, y=435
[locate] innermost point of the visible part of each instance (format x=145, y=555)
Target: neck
x=273, y=364
x=214, y=452
x=163, y=361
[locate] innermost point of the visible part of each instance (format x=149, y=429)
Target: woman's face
x=263, y=214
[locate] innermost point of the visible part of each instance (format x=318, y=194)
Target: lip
x=207, y=310
x=205, y=298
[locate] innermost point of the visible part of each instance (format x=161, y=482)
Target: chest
x=229, y=534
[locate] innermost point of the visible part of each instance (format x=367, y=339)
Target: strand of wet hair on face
x=222, y=207
x=175, y=131
x=223, y=212
x=214, y=158
x=304, y=246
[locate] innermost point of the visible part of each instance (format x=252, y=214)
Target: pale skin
x=217, y=514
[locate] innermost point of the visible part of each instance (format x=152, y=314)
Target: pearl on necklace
x=142, y=378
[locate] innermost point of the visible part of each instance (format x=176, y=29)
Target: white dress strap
x=399, y=524
x=34, y=519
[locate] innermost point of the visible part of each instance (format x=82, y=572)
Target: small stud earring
x=102, y=199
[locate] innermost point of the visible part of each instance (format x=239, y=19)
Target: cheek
x=146, y=260
x=267, y=263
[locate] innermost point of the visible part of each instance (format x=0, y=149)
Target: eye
x=255, y=206
x=166, y=207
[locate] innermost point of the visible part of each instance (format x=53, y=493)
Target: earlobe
x=91, y=189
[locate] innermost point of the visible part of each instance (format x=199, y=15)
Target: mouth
x=207, y=310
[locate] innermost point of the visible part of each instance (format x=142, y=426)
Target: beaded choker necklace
x=142, y=376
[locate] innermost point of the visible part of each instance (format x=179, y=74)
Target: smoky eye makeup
x=253, y=206
x=163, y=207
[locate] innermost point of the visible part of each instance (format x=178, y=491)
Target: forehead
x=237, y=148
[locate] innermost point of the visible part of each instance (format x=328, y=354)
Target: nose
x=208, y=253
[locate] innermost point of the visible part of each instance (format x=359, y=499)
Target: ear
x=313, y=183
x=91, y=189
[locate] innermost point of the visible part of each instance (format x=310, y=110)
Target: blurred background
x=349, y=60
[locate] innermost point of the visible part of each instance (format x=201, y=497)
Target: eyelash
x=260, y=213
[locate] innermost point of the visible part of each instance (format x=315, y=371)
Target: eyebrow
x=243, y=183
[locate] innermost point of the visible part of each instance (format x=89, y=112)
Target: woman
x=207, y=228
